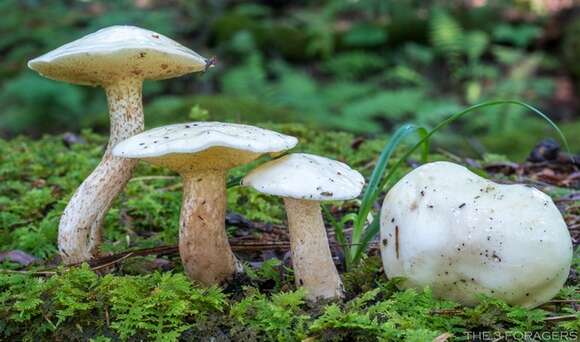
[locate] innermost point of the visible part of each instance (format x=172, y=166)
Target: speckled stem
x=203, y=243
x=79, y=231
x=313, y=266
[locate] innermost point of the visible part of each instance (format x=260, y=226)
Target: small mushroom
x=202, y=153
x=462, y=235
x=304, y=180
x=119, y=59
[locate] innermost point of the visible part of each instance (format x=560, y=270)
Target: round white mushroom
x=303, y=180
x=202, y=153
x=118, y=58
x=445, y=227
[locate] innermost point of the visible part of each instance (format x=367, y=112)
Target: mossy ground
x=140, y=300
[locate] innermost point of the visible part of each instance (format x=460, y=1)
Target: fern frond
x=446, y=36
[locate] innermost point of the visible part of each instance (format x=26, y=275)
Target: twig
x=107, y=319
x=112, y=262
x=447, y=312
x=560, y=318
x=146, y=178
x=40, y=273
x=109, y=260
x=564, y=301
x=245, y=246
x=162, y=250
x=443, y=337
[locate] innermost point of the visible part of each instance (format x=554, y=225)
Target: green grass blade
x=380, y=168
x=373, y=188
x=458, y=115
x=423, y=132
x=233, y=182
x=348, y=218
x=370, y=232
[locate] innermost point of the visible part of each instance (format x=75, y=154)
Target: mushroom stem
x=79, y=231
x=313, y=266
x=125, y=109
x=203, y=244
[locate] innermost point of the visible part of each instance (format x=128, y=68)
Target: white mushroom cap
x=116, y=52
x=306, y=176
x=445, y=227
x=205, y=144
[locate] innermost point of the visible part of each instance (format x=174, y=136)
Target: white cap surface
x=445, y=227
x=306, y=176
x=193, y=137
x=116, y=52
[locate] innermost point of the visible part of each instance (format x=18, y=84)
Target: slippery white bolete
x=202, y=153
x=445, y=227
x=118, y=58
x=303, y=180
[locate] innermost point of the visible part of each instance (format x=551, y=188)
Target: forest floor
x=137, y=290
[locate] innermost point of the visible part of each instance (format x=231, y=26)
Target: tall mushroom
x=303, y=180
x=119, y=59
x=202, y=153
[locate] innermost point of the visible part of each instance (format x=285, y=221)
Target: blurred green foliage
x=361, y=66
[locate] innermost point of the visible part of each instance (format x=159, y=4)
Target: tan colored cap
x=203, y=145
x=118, y=52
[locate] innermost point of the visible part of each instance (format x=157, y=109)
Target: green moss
x=278, y=318
x=37, y=177
x=78, y=304
x=81, y=305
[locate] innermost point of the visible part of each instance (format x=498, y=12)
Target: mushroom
x=118, y=58
x=445, y=227
x=202, y=153
x=303, y=180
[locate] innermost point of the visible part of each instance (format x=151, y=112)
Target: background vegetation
x=360, y=66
